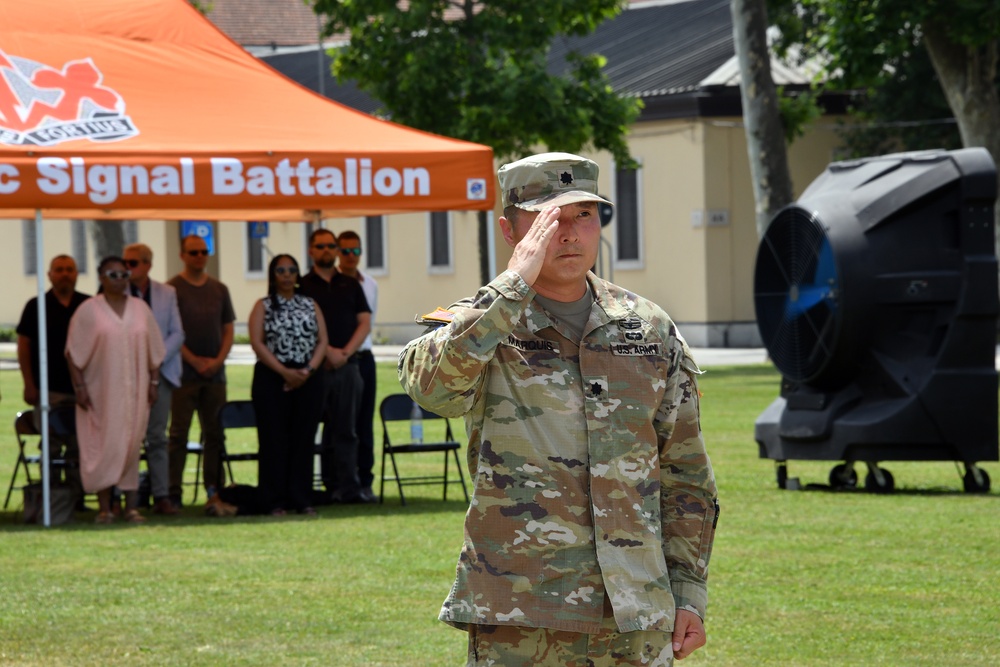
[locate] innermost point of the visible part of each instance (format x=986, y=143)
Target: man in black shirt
x=348, y=322
x=61, y=301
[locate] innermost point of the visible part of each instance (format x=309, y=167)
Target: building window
x=375, y=260
x=255, y=259
x=78, y=235
x=28, y=245
x=628, y=218
x=131, y=229
x=440, y=242
x=307, y=230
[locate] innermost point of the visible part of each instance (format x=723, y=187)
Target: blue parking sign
x=202, y=228
x=258, y=229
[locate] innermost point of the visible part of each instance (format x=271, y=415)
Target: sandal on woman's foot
x=104, y=518
x=133, y=516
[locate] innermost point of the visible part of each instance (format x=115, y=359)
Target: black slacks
x=286, y=428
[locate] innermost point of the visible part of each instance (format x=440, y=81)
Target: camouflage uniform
x=591, y=475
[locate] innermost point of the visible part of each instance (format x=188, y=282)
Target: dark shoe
x=368, y=495
x=165, y=507
x=356, y=499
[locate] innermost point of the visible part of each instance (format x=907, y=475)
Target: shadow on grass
x=912, y=492
x=11, y=520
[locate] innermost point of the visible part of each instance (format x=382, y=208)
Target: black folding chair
x=236, y=414
x=24, y=427
x=396, y=408
x=62, y=423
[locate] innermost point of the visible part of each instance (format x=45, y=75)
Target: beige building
x=683, y=233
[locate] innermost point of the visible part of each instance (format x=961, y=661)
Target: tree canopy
x=898, y=50
x=478, y=70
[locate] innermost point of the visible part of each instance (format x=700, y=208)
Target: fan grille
x=796, y=293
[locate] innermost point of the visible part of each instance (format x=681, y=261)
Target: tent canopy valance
x=133, y=110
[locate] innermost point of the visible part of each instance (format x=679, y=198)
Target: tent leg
x=43, y=369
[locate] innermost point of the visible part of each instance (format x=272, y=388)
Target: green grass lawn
x=798, y=577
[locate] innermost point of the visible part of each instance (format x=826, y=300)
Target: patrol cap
x=549, y=179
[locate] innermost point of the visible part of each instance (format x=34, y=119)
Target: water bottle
x=416, y=423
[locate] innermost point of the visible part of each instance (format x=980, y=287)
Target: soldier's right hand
x=530, y=252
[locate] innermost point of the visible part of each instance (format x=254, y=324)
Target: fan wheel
x=976, y=480
x=796, y=294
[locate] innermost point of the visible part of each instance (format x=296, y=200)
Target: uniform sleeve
x=444, y=369
x=688, y=497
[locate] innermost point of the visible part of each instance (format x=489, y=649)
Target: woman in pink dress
x=115, y=349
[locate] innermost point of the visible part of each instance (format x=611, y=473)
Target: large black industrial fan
x=876, y=297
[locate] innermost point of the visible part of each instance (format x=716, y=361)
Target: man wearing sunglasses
x=162, y=300
x=348, y=323
x=207, y=317
x=350, y=258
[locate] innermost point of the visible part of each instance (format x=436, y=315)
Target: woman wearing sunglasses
x=114, y=349
x=288, y=334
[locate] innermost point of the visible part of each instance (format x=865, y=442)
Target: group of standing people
x=141, y=353
x=312, y=337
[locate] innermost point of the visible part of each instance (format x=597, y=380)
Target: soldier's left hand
x=689, y=633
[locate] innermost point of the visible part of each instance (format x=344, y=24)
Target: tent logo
x=42, y=106
x=475, y=189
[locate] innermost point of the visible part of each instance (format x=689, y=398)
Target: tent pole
x=491, y=247
x=43, y=368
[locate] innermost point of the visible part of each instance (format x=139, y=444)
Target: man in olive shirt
x=207, y=317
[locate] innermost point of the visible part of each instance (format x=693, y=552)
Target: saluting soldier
x=593, y=515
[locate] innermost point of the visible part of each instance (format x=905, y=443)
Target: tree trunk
x=968, y=76
x=109, y=237
x=772, y=185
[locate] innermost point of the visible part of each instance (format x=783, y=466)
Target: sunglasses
x=132, y=263
x=282, y=270
x=351, y=251
x=195, y=253
x=325, y=246
x=117, y=275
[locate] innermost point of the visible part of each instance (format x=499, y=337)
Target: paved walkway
x=706, y=356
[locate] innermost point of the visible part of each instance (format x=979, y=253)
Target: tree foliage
x=883, y=48
x=905, y=112
x=203, y=6
x=477, y=70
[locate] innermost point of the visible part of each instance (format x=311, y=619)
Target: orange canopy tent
x=142, y=109
x=138, y=109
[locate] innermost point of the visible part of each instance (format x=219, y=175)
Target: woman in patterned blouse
x=288, y=334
